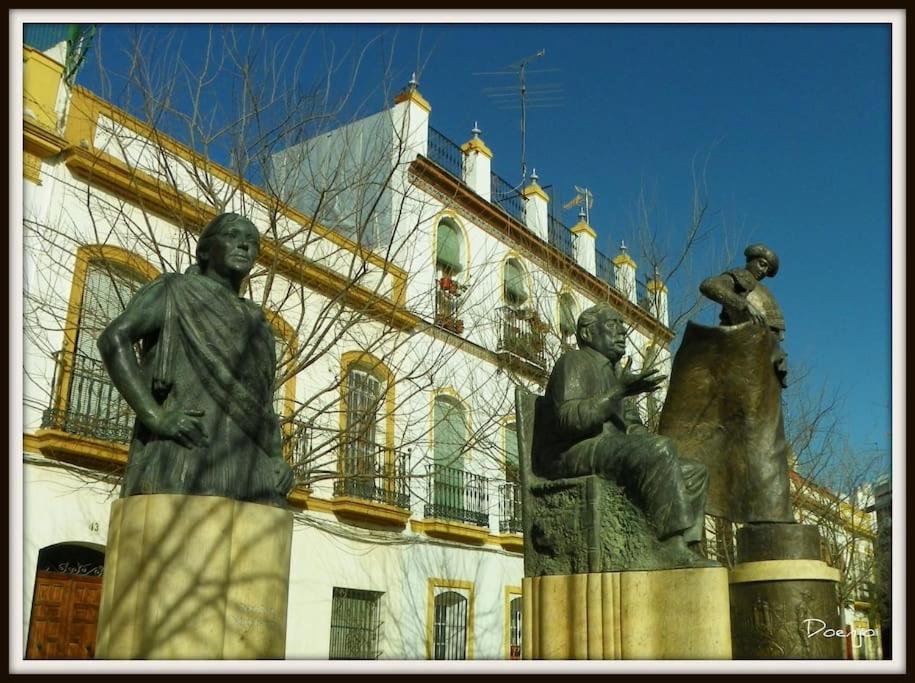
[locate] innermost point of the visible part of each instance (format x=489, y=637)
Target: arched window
x=450, y=432
x=363, y=438
x=514, y=283
x=449, y=247
x=450, y=626
x=367, y=459
x=88, y=403
x=449, y=488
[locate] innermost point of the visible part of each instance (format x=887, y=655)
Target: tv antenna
x=523, y=96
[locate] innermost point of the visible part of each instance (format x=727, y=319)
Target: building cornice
x=142, y=189
x=40, y=141
x=503, y=226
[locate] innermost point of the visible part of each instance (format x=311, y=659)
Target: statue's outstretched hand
x=181, y=426
x=643, y=382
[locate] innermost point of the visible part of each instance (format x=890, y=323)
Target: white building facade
x=408, y=300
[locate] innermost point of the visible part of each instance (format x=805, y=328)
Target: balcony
x=457, y=506
x=448, y=295
x=371, y=475
x=523, y=334
x=561, y=237
x=506, y=197
x=89, y=404
x=445, y=153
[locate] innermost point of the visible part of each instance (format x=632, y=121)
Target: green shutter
x=450, y=434
x=515, y=289
x=566, y=314
x=448, y=247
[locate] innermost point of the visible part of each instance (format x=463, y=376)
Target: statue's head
x=761, y=261
x=601, y=328
x=229, y=244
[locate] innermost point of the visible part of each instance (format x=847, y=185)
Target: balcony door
x=450, y=436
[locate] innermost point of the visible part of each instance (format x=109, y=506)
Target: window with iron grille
x=514, y=644
x=94, y=407
x=450, y=626
x=360, y=452
x=355, y=624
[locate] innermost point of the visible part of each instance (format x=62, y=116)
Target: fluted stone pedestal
x=665, y=614
x=783, y=597
x=194, y=577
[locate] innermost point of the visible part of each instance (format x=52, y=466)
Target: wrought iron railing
x=457, y=495
x=507, y=197
x=446, y=153
x=510, y=508
x=376, y=473
x=605, y=268
x=561, y=237
x=522, y=334
x=89, y=404
x=448, y=294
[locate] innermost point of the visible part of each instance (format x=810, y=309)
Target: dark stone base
x=758, y=542
x=784, y=618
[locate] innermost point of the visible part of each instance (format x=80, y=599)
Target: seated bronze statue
x=203, y=387
x=587, y=424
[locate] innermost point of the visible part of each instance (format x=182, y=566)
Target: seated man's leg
x=648, y=466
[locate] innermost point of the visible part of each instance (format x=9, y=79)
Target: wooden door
x=64, y=616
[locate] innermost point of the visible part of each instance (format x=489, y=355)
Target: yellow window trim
x=86, y=255
x=363, y=360
x=434, y=583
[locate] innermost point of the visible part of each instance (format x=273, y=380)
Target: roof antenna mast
x=522, y=96
x=520, y=65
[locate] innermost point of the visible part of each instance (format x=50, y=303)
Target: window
x=362, y=454
x=450, y=432
x=450, y=626
x=514, y=628
x=449, y=241
x=450, y=438
x=449, y=261
x=355, y=624
x=514, y=285
x=91, y=405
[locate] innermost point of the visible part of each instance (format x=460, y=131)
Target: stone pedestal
x=195, y=577
x=784, y=603
x=665, y=614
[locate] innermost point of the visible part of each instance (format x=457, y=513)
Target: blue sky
x=791, y=123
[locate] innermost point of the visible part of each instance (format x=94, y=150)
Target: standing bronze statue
x=744, y=298
x=723, y=404
x=594, y=428
x=203, y=387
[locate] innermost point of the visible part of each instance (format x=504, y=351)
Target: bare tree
x=273, y=129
